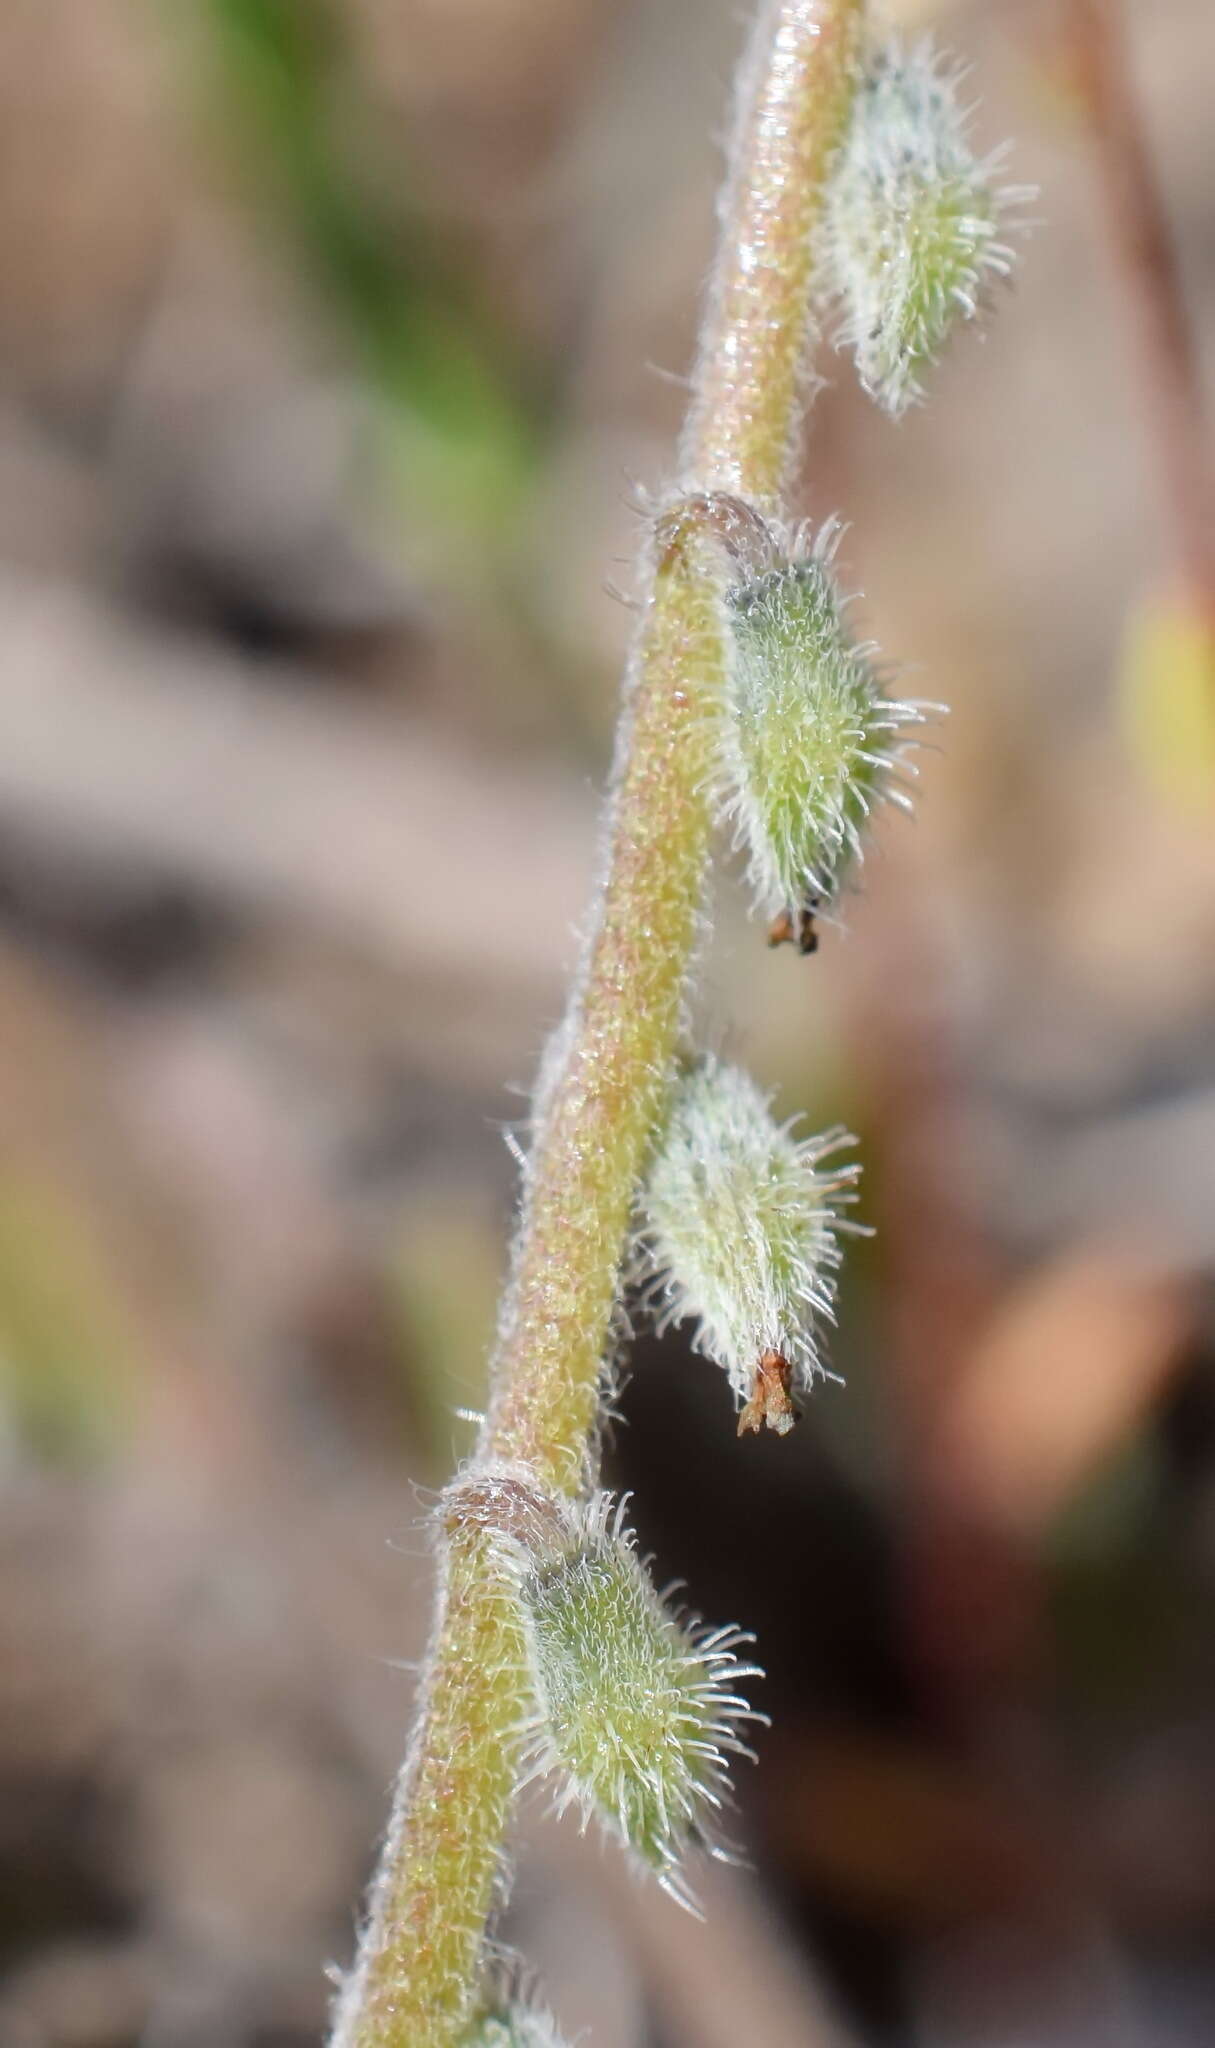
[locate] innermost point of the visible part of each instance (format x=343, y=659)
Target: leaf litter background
x=336, y=346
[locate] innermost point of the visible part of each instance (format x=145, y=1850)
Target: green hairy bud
x=740, y=1237
x=912, y=230
x=810, y=742
x=636, y=1707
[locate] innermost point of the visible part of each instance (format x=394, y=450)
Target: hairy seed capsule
x=508, y=2023
x=912, y=227
x=636, y=1708
x=809, y=742
x=740, y=1237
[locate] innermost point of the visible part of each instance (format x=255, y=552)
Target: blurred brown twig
x=1148, y=270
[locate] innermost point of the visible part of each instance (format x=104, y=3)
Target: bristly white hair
x=636, y=1704
x=810, y=742
x=740, y=1223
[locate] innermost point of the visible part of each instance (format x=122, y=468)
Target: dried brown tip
x=770, y=1401
x=799, y=931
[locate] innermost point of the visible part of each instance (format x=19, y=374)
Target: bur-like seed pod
x=740, y=1237
x=809, y=742
x=913, y=219
x=511, y=2021
x=637, y=1708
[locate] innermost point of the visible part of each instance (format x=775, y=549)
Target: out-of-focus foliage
x=65, y=1367
x=382, y=254
x=1168, y=699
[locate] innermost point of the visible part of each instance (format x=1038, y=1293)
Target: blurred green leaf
x=1167, y=699
x=464, y=434
x=66, y=1372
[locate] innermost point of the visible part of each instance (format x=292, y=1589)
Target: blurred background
x=339, y=340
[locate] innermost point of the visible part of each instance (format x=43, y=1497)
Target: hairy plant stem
x=605, y=1081
x=750, y=382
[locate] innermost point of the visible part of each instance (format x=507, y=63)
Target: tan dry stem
x=601, y=1099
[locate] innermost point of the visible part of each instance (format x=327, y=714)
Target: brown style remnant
x=796, y=930
x=771, y=1401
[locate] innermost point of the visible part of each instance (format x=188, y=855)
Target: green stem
x=596, y=1117
x=752, y=372
x=602, y=1093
